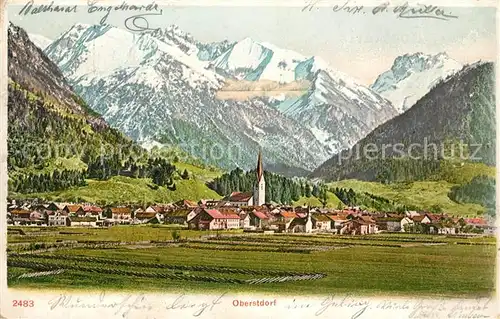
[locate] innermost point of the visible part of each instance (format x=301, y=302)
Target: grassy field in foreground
x=115, y=233
x=164, y=232
x=369, y=265
x=420, y=194
x=449, y=270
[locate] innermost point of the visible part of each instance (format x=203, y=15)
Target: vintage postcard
x=215, y=159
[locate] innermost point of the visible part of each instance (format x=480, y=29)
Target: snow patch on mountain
x=251, y=60
x=39, y=40
x=412, y=76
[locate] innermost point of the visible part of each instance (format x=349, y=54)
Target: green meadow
x=385, y=264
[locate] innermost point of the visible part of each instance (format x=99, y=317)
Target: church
x=259, y=192
x=255, y=198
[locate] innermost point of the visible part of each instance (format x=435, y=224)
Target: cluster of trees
x=348, y=197
x=161, y=171
x=102, y=168
x=405, y=169
x=480, y=190
x=279, y=189
x=58, y=180
x=158, y=169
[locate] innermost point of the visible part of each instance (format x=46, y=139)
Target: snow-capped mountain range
x=336, y=109
x=412, y=76
x=153, y=90
x=161, y=87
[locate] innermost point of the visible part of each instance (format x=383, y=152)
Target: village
x=243, y=210
x=234, y=212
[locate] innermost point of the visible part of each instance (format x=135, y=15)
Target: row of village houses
x=217, y=215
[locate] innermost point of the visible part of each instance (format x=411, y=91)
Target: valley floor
x=146, y=258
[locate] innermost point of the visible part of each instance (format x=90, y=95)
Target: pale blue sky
x=361, y=45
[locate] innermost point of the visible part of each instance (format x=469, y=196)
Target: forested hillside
x=54, y=140
x=454, y=124
x=481, y=190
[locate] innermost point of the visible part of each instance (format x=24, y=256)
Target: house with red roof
x=93, y=211
x=26, y=217
x=478, y=221
x=213, y=219
x=283, y=220
x=74, y=210
x=338, y=220
x=258, y=219
x=361, y=225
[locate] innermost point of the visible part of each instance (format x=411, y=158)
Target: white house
x=119, y=215
x=213, y=219
x=58, y=219
x=422, y=219
x=323, y=222
x=239, y=199
x=406, y=221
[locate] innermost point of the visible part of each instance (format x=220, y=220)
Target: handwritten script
x=338, y=306
x=138, y=20
x=354, y=307
x=124, y=306
x=403, y=11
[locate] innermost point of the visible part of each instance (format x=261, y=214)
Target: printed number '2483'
x=23, y=303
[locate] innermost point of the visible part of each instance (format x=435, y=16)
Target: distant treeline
x=279, y=189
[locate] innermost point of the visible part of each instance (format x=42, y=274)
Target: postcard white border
x=162, y=300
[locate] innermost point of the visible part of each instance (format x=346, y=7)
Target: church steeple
x=260, y=170
x=259, y=195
